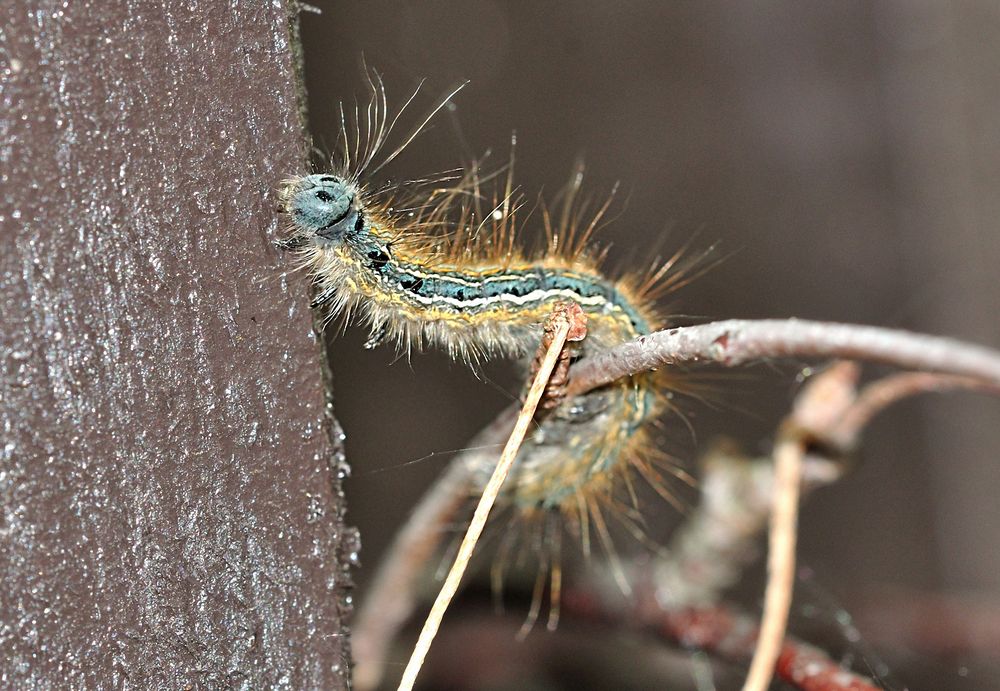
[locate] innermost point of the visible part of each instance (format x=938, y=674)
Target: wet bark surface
x=169, y=471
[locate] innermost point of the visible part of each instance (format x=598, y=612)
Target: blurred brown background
x=847, y=154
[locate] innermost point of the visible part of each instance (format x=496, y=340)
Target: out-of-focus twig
x=727, y=633
x=708, y=553
x=821, y=404
x=882, y=393
x=788, y=455
x=719, y=538
x=739, y=341
x=566, y=322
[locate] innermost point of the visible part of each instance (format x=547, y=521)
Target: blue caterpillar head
x=325, y=206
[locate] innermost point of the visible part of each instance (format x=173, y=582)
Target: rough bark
x=171, y=510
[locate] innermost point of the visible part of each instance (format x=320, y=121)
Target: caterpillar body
x=442, y=267
x=477, y=296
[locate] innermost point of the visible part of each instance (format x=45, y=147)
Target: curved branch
x=739, y=341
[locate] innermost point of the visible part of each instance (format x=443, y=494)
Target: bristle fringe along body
x=437, y=265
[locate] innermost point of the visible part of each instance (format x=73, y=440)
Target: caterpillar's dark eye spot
x=324, y=196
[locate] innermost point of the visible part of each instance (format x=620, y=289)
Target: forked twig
x=831, y=411
x=820, y=406
x=564, y=324
x=829, y=415
x=736, y=342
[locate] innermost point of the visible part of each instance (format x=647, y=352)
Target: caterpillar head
x=323, y=206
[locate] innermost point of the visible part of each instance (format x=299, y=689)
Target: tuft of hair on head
x=365, y=132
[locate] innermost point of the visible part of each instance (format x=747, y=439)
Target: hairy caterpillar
x=433, y=268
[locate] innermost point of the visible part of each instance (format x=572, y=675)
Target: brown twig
x=739, y=341
x=820, y=405
x=557, y=329
x=719, y=538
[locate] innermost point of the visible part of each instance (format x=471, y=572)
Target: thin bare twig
x=780, y=561
x=819, y=406
x=880, y=394
x=558, y=329
x=738, y=341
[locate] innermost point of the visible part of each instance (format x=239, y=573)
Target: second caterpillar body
x=477, y=296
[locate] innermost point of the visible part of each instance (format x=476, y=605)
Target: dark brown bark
x=171, y=511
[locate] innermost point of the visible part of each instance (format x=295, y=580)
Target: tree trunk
x=172, y=514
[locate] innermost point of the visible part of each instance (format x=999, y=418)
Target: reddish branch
x=733, y=636
x=726, y=633
x=555, y=390
x=739, y=341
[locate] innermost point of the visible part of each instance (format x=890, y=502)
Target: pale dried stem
x=780, y=561
x=560, y=332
